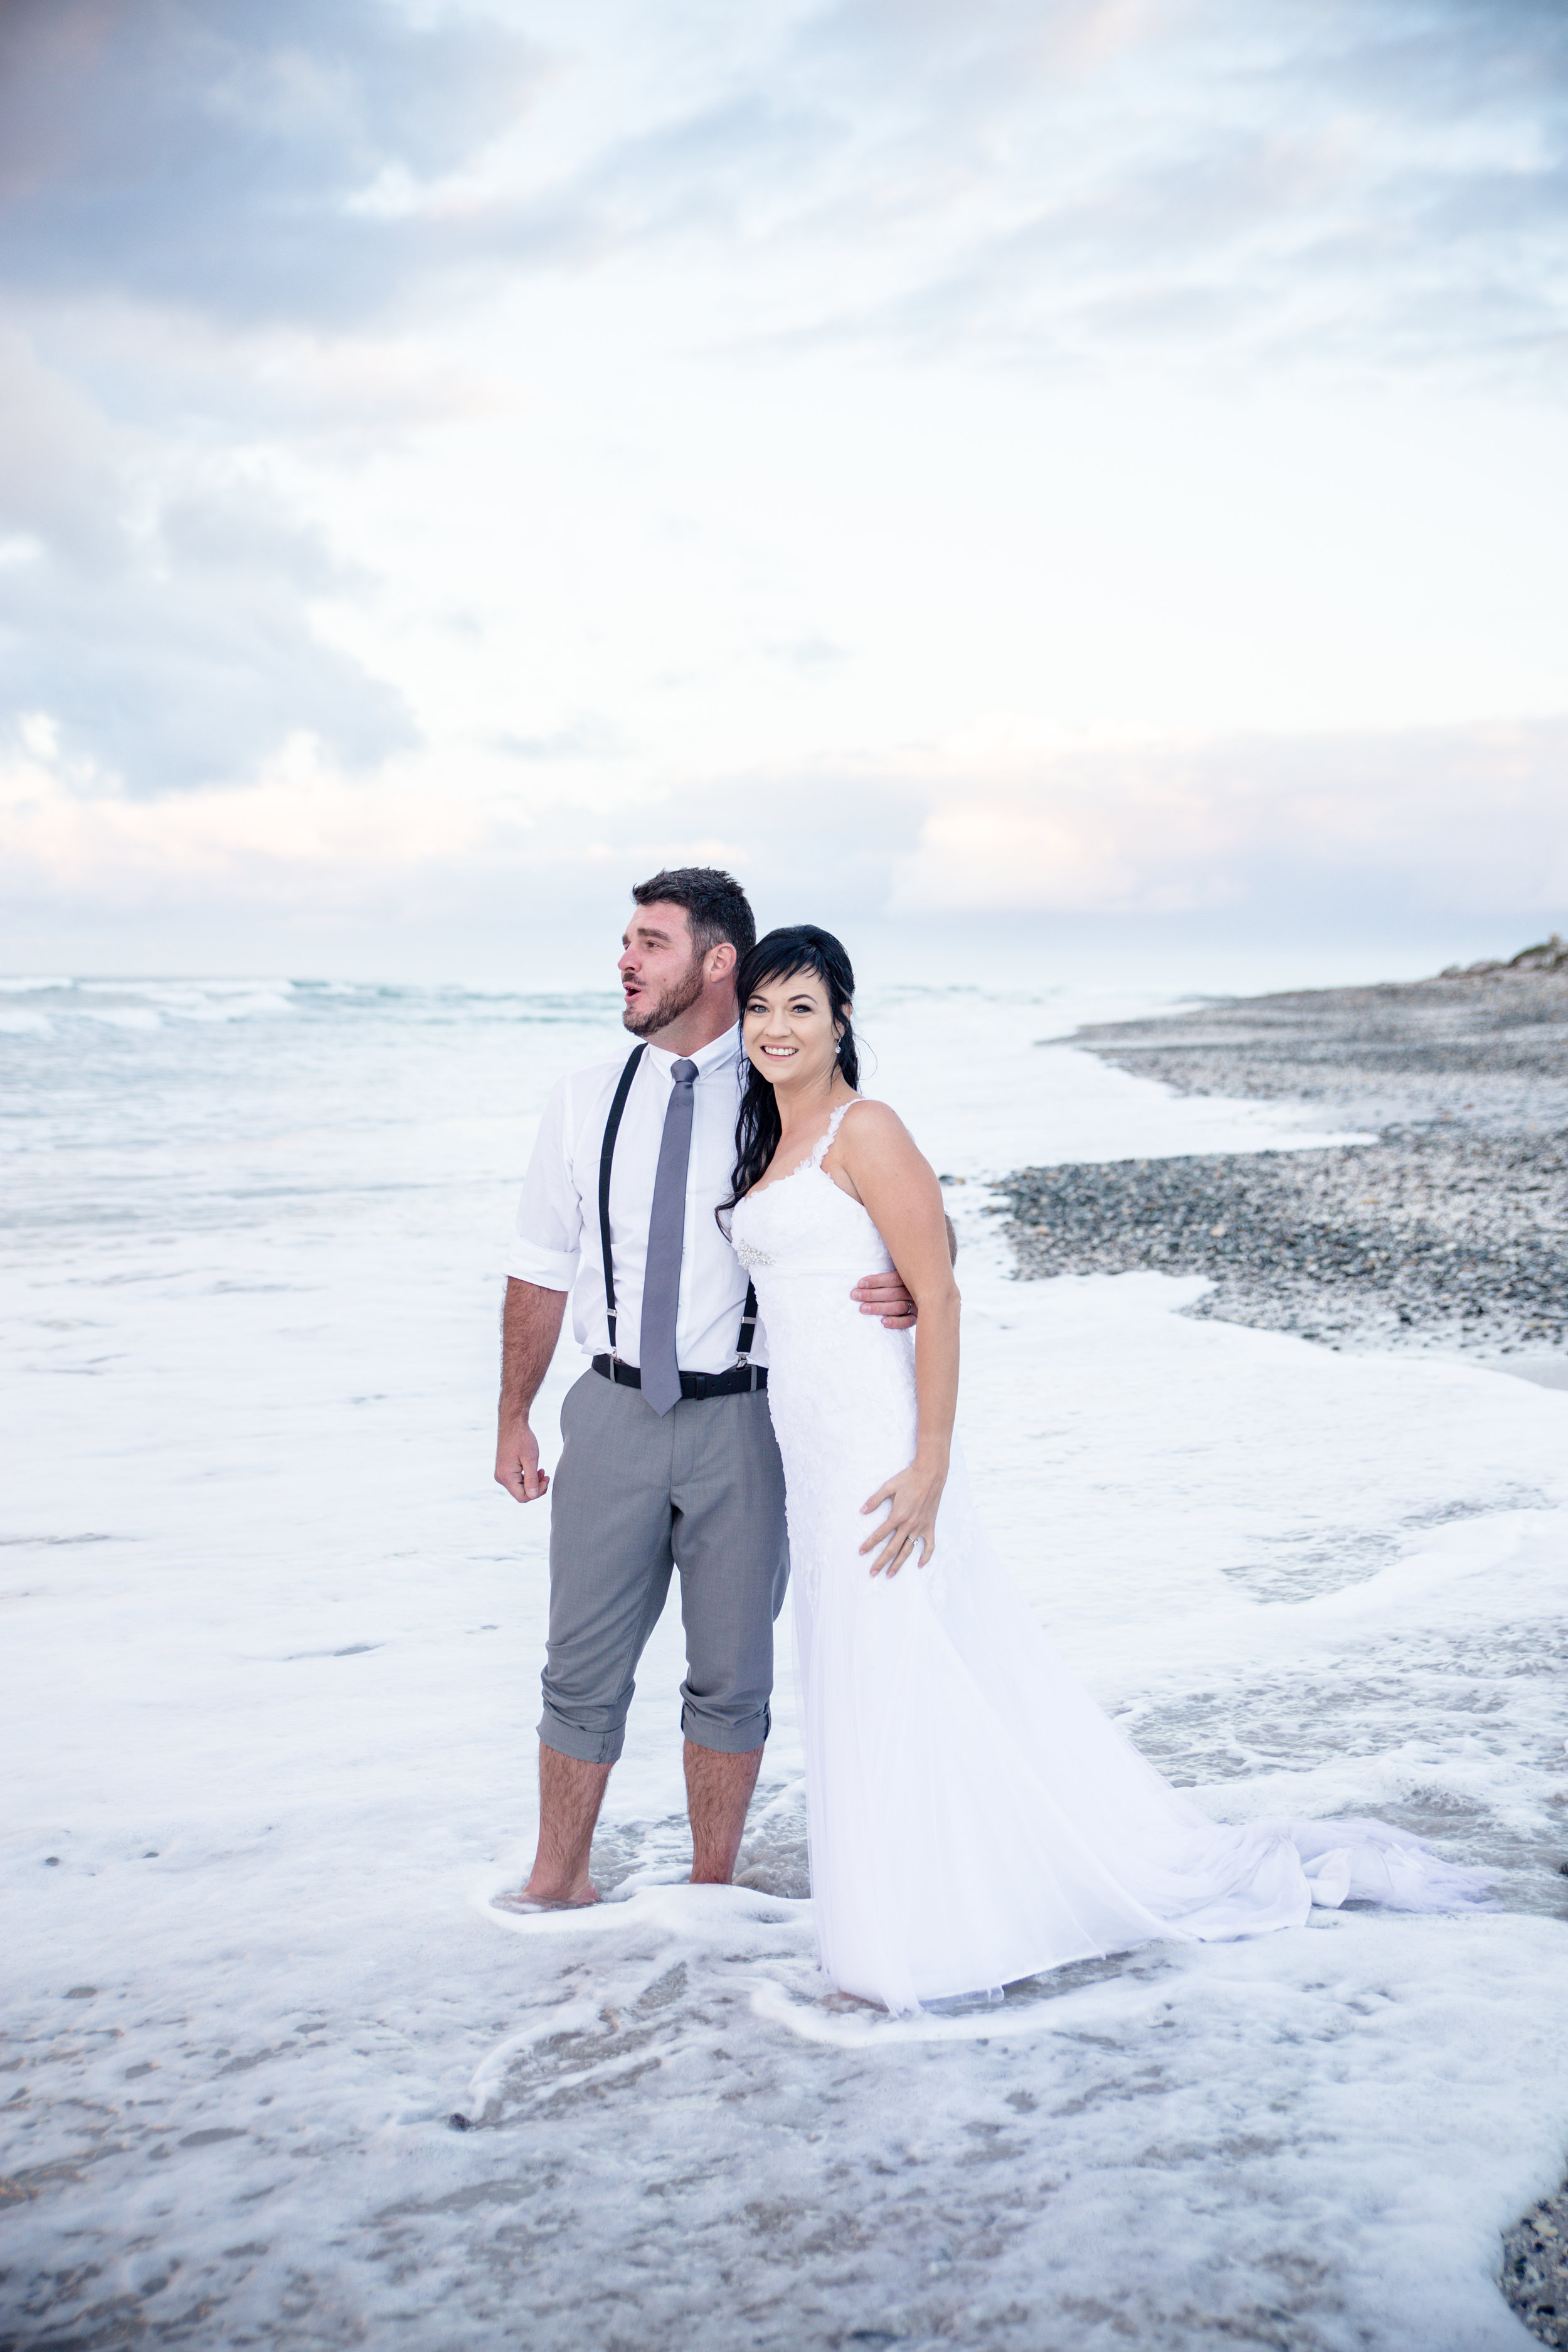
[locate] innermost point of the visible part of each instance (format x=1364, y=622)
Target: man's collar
x=723, y=1051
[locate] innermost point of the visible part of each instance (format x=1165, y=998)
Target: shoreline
x=1447, y=1231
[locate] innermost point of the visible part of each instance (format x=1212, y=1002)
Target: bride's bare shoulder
x=876, y=1128
x=882, y=1164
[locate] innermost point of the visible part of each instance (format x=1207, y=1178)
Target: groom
x=669, y=1457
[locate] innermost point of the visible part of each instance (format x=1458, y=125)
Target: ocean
x=271, y=1677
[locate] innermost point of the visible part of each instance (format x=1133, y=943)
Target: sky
x=1082, y=470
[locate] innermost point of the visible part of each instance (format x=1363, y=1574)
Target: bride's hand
x=909, y=1531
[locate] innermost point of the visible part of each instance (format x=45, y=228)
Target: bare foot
x=523, y=1898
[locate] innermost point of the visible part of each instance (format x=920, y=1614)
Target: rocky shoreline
x=1448, y=1228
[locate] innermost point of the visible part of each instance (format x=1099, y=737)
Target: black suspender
x=606, y=1162
x=748, y=1325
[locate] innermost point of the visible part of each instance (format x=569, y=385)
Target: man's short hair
x=716, y=907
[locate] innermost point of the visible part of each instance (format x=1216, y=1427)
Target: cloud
x=1305, y=180
x=160, y=617
x=1457, y=822
x=1362, y=181
x=193, y=153
x=1400, y=825
x=234, y=238
x=303, y=834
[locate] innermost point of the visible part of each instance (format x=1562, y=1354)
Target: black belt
x=737, y=1381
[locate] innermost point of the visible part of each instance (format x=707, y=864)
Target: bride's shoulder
x=876, y=1126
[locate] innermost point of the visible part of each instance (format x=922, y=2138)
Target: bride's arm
x=876, y=1152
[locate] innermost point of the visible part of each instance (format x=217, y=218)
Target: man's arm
x=542, y=1268
x=885, y=1295
x=530, y=1325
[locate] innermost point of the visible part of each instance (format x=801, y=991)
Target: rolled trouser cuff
x=595, y=1743
x=726, y=1738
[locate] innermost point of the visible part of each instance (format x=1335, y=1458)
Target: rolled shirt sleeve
x=548, y=1240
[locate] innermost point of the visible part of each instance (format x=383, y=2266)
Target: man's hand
x=517, y=1463
x=884, y=1293
x=531, y=1325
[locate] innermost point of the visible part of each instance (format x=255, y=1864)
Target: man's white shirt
x=557, y=1247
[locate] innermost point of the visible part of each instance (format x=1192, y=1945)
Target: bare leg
x=570, y=1795
x=718, y=1791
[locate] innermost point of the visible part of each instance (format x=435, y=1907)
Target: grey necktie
x=666, y=1230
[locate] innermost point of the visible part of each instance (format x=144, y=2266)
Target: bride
x=973, y=1818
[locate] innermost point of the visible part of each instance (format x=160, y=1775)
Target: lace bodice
x=817, y=1224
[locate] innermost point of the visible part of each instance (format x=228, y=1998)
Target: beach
x=280, y=2072
x=1070, y=501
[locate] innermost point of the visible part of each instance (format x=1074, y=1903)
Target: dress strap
x=823, y=1143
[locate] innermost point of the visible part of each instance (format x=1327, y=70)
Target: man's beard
x=647, y=1020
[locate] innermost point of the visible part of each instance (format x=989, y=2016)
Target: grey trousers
x=700, y=1489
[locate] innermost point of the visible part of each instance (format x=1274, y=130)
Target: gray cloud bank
x=1388, y=178
x=159, y=613
x=197, y=161
x=190, y=152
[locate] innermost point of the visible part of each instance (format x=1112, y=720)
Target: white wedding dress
x=973, y=1818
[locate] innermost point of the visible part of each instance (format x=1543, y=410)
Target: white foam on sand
x=271, y=1651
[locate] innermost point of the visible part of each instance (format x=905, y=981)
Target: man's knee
x=589, y=1735
x=728, y=1730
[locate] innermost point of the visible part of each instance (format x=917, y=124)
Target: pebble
x=1535, y=2269
x=1450, y=1229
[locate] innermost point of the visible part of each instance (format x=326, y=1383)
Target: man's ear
x=721, y=960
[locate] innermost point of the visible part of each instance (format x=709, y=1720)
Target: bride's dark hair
x=797, y=947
